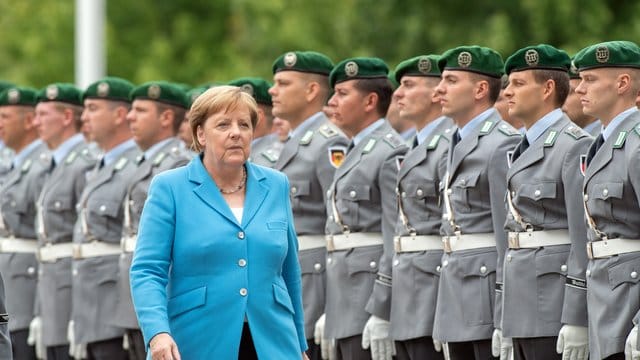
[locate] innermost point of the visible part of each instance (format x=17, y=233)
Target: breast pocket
x=350, y=197
x=607, y=199
x=462, y=191
x=539, y=199
x=105, y=219
x=417, y=194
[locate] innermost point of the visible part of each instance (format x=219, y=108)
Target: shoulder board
x=269, y=156
x=327, y=131
x=508, y=130
x=486, y=127
x=551, y=138
x=71, y=157
x=306, y=138
x=158, y=159
x=575, y=132
x=434, y=142
x=393, y=141
x=369, y=146
x=622, y=136
x=121, y=163
x=26, y=165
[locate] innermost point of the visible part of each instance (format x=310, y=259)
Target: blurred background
x=203, y=41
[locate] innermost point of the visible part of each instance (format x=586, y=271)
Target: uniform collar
x=22, y=155
x=299, y=131
x=115, y=153
x=471, y=125
x=427, y=130
x=156, y=147
x=64, y=148
x=609, y=129
x=366, y=131
x=540, y=126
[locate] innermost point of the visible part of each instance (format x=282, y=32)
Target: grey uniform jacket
x=415, y=275
x=364, y=190
x=477, y=169
x=5, y=340
x=612, y=194
x=54, y=225
x=18, y=198
x=306, y=160
x=266, y=150
x=544, y=183
x=94, y=284
x=169, y=156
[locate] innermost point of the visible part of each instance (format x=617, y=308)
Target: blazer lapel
x=412, y=159
x=207, y=191
x=257, y=191
x=289, y=150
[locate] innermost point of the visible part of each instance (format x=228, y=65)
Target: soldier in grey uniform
x=573, y=108
x=309, y=159
x=58, y=123
x=362, y=212
x=98, y=231
x=18, y=195
x=418, y=244
x=6, y=154
x=545, y=214
x=5, y=339
x=610, y=75
x=473, y=198
x=154, y=123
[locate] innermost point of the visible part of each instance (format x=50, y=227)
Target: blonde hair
x=219, y=99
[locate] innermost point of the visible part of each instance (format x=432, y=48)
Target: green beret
x=19, y=96
x=543, y=56
x=608, y=54
x=573, y=72
x=256, y=87
x=358, y=68
x=193, y=94
x=109, y=88
x=425, y=65
x=477, y=59
x=4, y=85
x=392, y=77
x=61, y=92
x=161, y=91
x=303, y=61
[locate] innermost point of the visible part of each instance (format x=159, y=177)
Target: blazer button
x=242, y=262
x=240, y=235
x=243, y=292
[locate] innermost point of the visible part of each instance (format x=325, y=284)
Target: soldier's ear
x=482, y=90
x=623, y=83
x=312, y=91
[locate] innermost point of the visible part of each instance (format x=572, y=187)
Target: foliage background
x=198, y=41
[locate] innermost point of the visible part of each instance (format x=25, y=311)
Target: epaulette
x=327, y=131
x=622, y=136
x=393, y=141
x=434, y=142
x=576, y=132
x=158, y=159
x=508, y=130
x=269, y=156
x=551, y=138
x=486, y=127
x=306, y=138
x=369, y=146
x=26, y=166
x=121, y=163
x=71, y=157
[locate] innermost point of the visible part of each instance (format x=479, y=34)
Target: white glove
x=437, y=344
x=573, y=342
x=501, y=346
x=78, y=351
x=327, y=346
x=631, y=348
x=35, y=337
x=376, y=335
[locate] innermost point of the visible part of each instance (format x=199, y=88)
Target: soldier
x=545, y=213
x=309, y=159
x=184, y=132
x=18, y=195
x=573, y=107
x=6, y=154
x=610, y=74
x=156, y=114
x=473, y=198
x=58, y=123
x=5, y=339
x=362, y=212
x=418, y=244
x=402, y=126
x=98, y=230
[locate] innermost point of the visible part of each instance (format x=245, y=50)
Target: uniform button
x=74, y=272
x=588, y=272
x=513, y=194
x=445, y=263
x=57, y=204
x=328, y=193
x=373, y=264
x=243, y=292
x=31, y=270
x=242, y=262
x=438, y=268
x=563, y=268
x=103, y=208
x=330, y=217
x=509, y=258
x=462, y=182
x=483, y=269
x=294, y=190
x=329, y=260
x=240, y=235
x=352, y=193
x=397, y=191
x=317, y=266
x=449, y=191
x=404, y=194
x=440, y=184
x=634, y=275
x=585, y=197
x=605, y=192
x=536, y=193
x=419, y=192
x=396, y=262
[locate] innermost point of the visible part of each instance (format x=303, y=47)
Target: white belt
x=468, y=241
x=128, y=243
x=308, y=242
x=53, y=252
x=606, y=248
x=417, y=243
x=536, y=239
x=17, y=245
x=95, y=249
x=352, y=240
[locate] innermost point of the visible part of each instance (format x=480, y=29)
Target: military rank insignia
x=583, y=164
x=337, y=155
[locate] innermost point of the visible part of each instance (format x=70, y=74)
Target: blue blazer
x=197, y=272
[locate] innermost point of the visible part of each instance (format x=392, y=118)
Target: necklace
x=238, y=187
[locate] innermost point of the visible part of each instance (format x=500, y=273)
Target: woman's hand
x=304, y=356
x=162, y=347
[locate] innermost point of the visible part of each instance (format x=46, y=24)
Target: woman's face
x=226, y=137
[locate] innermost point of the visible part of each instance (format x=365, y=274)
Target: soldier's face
x=525, y=97
x=457, y=91
x=100, y=117
x=416, y=96
x=50, y=121
x=12, y=125
x=287, y=95
x=348, y=104
x=144, y=122
x=573, y=107
x=226, y=137
x=598, y=92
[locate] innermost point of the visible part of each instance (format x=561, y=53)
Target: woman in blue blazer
x=215, y=273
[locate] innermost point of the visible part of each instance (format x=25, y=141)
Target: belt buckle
x=590, y=250
x=77, y=251
x=514, y=240
x=397, y=246
x=446, y=244
x=330, y=245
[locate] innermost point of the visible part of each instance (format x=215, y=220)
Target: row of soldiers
x=468, y=241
